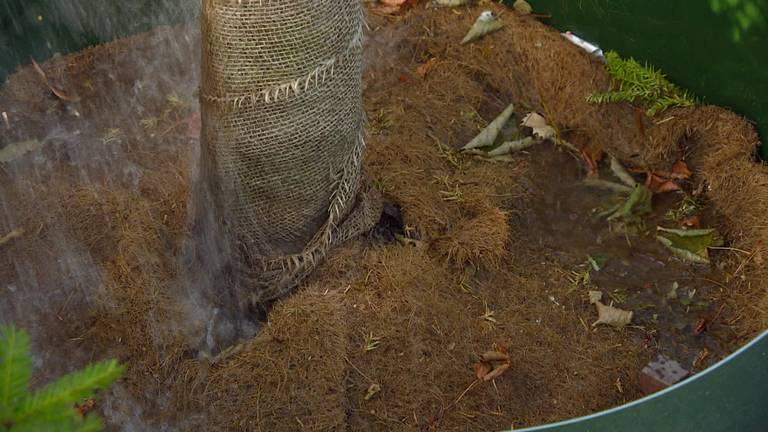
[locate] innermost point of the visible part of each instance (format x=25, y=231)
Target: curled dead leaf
x=451, y=3
x=539, y=125
x=56, y=91
x=680, y=170
x=700, y=326
x=372, y=390
x=659, y=184
x=496, y=372
x=424, y=69
x=595, y=296
x=485, y=24
x=392, y=7
x=18, y=232
x=612, y=316
x=490, y=356
x=481, y=369
x=487, y=136
x=692, y=222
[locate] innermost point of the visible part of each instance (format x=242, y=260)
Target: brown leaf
x=372, y=390
x=680, y=170
x=667, y=186
x=595, y=296
x=393, y=7
x=481, y=369
x=692, y=222
x=491, y=356
x=659, y=184
x=496, y=372
x=58, y=92
x=701, y=325
x=424, y=69
x=591, y=162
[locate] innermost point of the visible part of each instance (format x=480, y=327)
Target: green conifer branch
x=637, y=83
x=52, y=408
x=71, y=388
x=15, y=368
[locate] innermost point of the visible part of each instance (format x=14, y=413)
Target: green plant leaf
x=637, y=205
x=15, y=368
x=690, y=245
x=70, y=389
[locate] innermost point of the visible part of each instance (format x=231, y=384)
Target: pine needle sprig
x=15, y=368
x=637, y=83
x=53, y=406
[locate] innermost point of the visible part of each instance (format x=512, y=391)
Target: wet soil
x=637, y=273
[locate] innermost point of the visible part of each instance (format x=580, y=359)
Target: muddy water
x=563, y=226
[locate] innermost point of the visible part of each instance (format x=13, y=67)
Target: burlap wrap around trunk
x=282, y=135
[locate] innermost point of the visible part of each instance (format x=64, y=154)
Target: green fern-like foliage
x=637, y=83
x=51, y=408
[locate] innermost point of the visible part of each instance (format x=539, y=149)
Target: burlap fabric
x=282, y=135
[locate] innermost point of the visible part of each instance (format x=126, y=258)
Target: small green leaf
x=597, y=261
x=637, y=205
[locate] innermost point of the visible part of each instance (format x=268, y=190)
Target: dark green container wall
x=43, y=28
x=728, y=397
x=717, y=49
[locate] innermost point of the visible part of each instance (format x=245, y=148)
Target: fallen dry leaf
x=700, y=326
x=659, y=184
x=18, y=232
x=424, y=69
x=692, y=222
x=56, y=91
x=392, y=7
x=486, y=23
x=372, y=390
x=481, y=369
x=539, y=125
x=595, y=296
x=490, y=356
x=487, y=136
x=496, y=372
x=592, y=166
x=612, y=316
x=451, y=3
x=667, y=186
x=680, y=170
